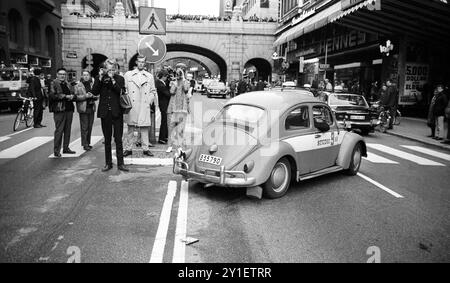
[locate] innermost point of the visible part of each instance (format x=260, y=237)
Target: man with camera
x=109, y=86
x=178, y=110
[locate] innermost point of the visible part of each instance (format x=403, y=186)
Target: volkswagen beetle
x=268, y=139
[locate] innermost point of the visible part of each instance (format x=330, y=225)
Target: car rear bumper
x=221, y=177
x=357, y=125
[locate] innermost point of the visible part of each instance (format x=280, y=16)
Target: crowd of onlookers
x=182, y=17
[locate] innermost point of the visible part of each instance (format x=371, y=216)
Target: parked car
x=289, y=84
x=352, y=111
x=216, y=88
x=13, y=82
x=284, y=136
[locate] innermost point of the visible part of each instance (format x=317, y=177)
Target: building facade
x=31, y=35
x=359, y=42
x=232, y=46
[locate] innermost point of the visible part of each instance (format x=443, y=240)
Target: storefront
x=356, y=43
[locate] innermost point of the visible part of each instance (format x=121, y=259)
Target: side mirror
x=321, y=125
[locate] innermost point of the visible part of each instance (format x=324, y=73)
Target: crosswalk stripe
x=76, y=146
x=374, y=158
x=404, y=155
x=25, y=147
x=2, y=139
x=429, y=152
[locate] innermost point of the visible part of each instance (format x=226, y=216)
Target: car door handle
x=318, y=136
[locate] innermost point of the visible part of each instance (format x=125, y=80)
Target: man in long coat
x=140, y=86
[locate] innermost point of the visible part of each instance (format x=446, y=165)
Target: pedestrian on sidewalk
x=431, y=121
x=439, y=112
x=163, y=90
x=86, y=108
x=178, y=110
x=35, y=90
x=392, y=102
x=61, y=105
x=447, y=116
x=109, y=86
x=140, y=86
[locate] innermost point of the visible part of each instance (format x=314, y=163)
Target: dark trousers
x=63, y=126
x=86, y=124
x=38, y=112
x=113, y=125
x=163, y=131
x=393, y=112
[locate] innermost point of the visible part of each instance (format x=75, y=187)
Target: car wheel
x=355, y=162
x=279, y=180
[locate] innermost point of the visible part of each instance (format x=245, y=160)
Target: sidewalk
x=416, y=129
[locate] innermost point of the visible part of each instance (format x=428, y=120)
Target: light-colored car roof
x=275, y=99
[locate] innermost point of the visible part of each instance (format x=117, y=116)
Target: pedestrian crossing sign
x=152, y=20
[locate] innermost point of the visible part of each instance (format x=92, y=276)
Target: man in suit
x=61, y=105
x=164, y=99
x=109, y=86
x=35, y=90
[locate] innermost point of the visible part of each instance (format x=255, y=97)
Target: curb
x=447, y=148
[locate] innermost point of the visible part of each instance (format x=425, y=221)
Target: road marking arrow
x=155, y=52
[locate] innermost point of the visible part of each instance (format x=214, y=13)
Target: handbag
x=125, y=102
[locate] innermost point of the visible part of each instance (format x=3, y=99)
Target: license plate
x=210, y=159
x=353, y=117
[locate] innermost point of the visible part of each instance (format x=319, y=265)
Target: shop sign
x=416, y=76
x=34, y=61
x=72, y=55
x=341, y=42
x=21, y=59
x=305, y=52
x=303, y=15
x=324, y=66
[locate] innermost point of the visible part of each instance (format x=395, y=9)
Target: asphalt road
x=67, y=210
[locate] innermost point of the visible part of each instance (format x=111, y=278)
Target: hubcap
x=279, y=177
x=357, y=158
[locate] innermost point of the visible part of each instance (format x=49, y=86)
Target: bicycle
x=25, y=113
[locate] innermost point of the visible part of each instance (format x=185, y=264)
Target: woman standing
x=86, y=108
x=178, y=110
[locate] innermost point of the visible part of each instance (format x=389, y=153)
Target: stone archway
x=262, y=68
x=176, y=47
x=94, y=61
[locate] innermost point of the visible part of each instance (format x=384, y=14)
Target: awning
x=351, y=10
x=421, y=20
x=314, y=22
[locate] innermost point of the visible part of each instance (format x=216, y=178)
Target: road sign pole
x=152, y=134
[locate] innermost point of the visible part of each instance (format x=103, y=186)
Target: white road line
x=17, y=133
x=372, y=157
x=22, y=148
x=150, y=161
x=164, y=220
x=179, y=249
x=404, y=155
x=2, y=139
x=429, y=152
x=76, y=146
x=380, y=186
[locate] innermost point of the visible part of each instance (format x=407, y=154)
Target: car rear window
x=347, y=100
x=244, y=115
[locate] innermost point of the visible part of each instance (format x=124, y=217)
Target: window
x=51, y=42
x=15, y=27
x=35, y=34
x=298, y=119
x=323, y=113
